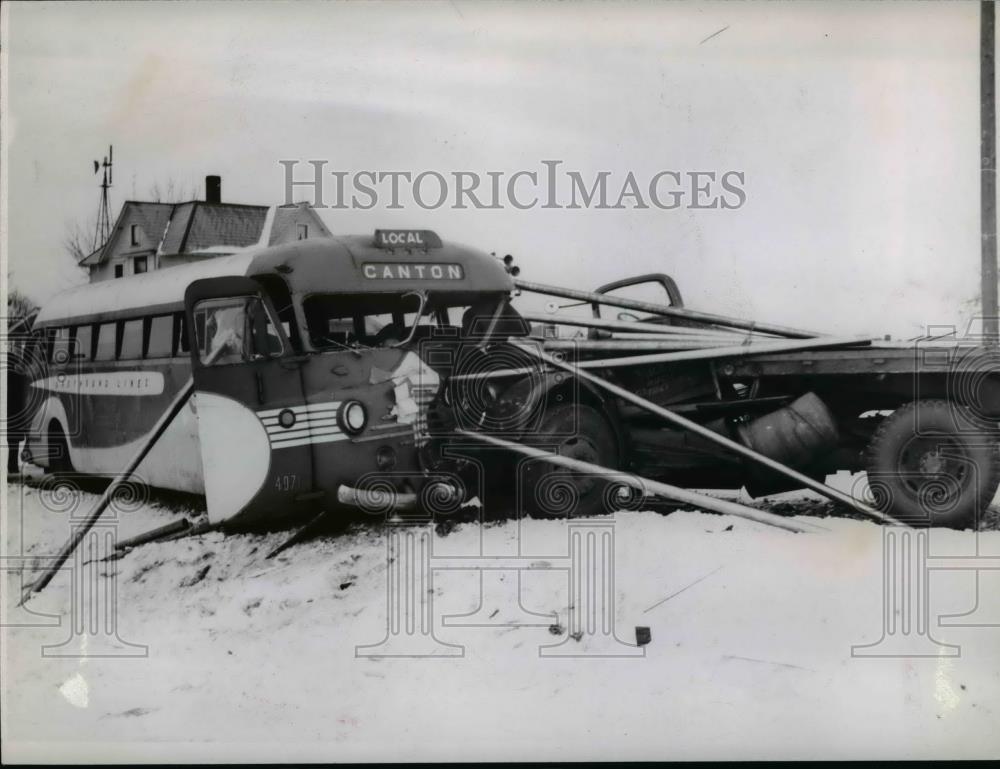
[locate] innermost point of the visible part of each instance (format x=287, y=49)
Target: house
x=152, y=236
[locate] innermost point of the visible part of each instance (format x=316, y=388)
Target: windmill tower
x=103, y=229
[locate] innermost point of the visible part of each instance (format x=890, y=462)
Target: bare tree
x=78, y=240
x=172, y=192
x=21, y=310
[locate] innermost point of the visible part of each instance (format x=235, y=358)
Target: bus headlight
x=352, y=417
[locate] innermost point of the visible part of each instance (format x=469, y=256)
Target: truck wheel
x=579, y=432
x=930, y=464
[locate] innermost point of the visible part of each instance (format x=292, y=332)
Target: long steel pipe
x=102, y=504
x=644, y=484
x=738, y=448
x=662, y=309
x=636, y=345
x=737, y=351
x=628, y=326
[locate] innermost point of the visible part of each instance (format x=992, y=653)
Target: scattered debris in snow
x=757, y=631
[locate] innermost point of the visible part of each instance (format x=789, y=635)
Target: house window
x=303, y=231
x=119, y=270
x=138, y=265
x=134, y=234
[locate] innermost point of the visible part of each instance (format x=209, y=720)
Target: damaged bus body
x=305, y=366
x=358, y=371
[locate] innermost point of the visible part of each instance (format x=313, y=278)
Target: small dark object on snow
x=445, y=527
x=301, y=534
x=728, y=528
x=557, y=629
x=577, y=636
x=345, y=585
x=196, y=578
x=497, y=611
x=177, y=527
x=642, y=635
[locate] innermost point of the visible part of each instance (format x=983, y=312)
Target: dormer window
x=134, y=234
x=303, y=231
x=138, y=265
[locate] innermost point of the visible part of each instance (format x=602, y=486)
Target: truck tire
x=581, y=432
x=931, y=464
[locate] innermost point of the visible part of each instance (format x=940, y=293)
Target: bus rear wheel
x=931, y=464
x=580, y=432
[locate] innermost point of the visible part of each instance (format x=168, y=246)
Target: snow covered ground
x=750, y=655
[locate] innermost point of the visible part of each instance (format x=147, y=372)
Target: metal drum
x=797, y=435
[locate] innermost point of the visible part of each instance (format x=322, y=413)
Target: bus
x=314, y=364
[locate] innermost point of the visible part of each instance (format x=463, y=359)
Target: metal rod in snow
x=738, y=448
x=662, y=309
x=102, y=504
x=683, y=356
x=723, y=506
x=629, y=326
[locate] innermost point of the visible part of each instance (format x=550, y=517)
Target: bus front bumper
x=383, y=500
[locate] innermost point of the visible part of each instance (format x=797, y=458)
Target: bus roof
x=355, y=264
x=343, y=265
x=160, y=289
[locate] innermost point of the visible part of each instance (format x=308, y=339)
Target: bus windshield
x=377, y=320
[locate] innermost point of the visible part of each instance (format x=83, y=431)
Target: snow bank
x=752, y=630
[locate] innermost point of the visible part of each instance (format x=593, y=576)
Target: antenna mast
x=103, y=229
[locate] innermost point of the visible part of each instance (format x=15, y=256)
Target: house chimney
x=213, y=189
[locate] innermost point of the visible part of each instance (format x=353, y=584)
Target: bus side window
x=59, y=351
x=234, y=330
x=81, y=342
x=131, y=346
x=106, y=342
x=180, y=344
x=161, y=337
x=221, y=326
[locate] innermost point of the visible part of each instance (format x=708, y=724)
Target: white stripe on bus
x=306, y=408
x=305, y=441
x=272, y=423
x=280, y=436
x=304, y=434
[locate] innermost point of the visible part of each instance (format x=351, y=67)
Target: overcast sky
x=856, y=127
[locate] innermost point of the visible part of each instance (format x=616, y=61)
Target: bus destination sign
x=411, y=271
x=409, y=239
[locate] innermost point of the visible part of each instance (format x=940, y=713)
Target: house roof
x=198, y=225
x=284, y=218
x=152, y=217
x=189, y=227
